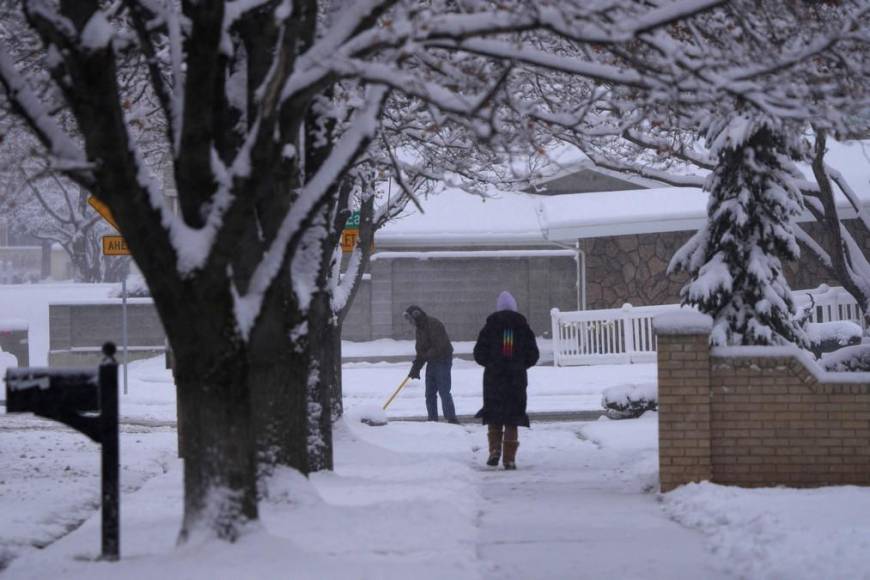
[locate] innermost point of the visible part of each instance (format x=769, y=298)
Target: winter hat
x=415, y=314
x=506, y=302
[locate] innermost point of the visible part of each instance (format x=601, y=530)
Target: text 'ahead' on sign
x=115, y=246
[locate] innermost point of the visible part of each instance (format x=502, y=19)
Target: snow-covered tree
x=268, y=107
x=735, y=260
x=816, y=56
x=47, y=208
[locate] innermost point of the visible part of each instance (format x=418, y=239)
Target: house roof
x=454, y=217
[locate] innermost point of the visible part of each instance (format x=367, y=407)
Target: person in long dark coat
x=506, y=347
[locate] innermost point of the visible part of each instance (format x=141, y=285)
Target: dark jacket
x=432, y=341
x=506, y=347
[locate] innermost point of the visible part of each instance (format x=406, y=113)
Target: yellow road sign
x=115, y=246
x=104, y=211
x=348, y=240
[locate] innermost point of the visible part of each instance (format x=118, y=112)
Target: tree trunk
x=337, y=399
x=278, y=382
x=322, y=381
x=840, y=252
x=219, y=469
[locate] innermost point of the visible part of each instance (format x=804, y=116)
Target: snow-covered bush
x=830, y=336
x=849, y=359
x=629, y=401
x=136, y=287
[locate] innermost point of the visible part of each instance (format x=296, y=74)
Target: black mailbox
x=52, y=393
x=86, y=400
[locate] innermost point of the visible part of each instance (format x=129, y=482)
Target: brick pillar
x=683, y=399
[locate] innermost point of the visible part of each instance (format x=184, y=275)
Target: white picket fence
x=625, y=335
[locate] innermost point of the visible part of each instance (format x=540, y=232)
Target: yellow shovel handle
x=393, y=396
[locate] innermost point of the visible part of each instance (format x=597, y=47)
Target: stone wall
x=633, y=269
x=758, y=417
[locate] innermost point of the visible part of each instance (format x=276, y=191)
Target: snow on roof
x=455, y=217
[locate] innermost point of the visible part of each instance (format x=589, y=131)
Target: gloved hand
x=415, y=371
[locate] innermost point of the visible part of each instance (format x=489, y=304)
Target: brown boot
x=510, y=445
x=494, y=434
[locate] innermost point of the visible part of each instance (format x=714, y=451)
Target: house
x=582, y=250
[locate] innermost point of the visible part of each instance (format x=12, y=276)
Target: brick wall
x=733, y=417
x=684, y=409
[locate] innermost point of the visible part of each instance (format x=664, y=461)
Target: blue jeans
x=438, y=382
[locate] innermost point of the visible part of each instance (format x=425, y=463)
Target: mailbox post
x=72, y=396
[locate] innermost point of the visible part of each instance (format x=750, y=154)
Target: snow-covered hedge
x=136, y=288
x=628, y=401
x=849, y=359
x=830, y=336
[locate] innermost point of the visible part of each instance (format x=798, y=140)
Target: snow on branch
x=539, y=58
x=557, y=19
x=361, y=131
x=176, y=53
x=37, y=115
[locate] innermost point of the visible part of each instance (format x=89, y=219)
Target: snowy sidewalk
x=575, y=510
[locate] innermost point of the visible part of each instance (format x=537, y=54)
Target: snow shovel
x=393, y=396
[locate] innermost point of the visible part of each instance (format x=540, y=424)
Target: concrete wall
x=461, y=292
x=739, y=417
x=78, y=331
x=357, y=323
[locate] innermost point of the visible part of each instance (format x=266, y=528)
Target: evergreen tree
x=735, y=260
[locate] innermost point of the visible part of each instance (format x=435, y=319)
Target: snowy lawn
x=50, y=477
x=780, y=533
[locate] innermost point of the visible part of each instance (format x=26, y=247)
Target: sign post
x=116, y=246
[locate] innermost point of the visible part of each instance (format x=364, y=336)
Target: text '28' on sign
x=115, y=246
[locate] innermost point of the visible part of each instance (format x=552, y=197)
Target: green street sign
x=352, y=221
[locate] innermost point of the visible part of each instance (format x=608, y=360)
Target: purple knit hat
x=506, y=302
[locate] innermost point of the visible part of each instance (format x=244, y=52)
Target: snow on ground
x=50, y=477
x=414, y=499
x=550, y=388
x=778, y=532
x=151, y=391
